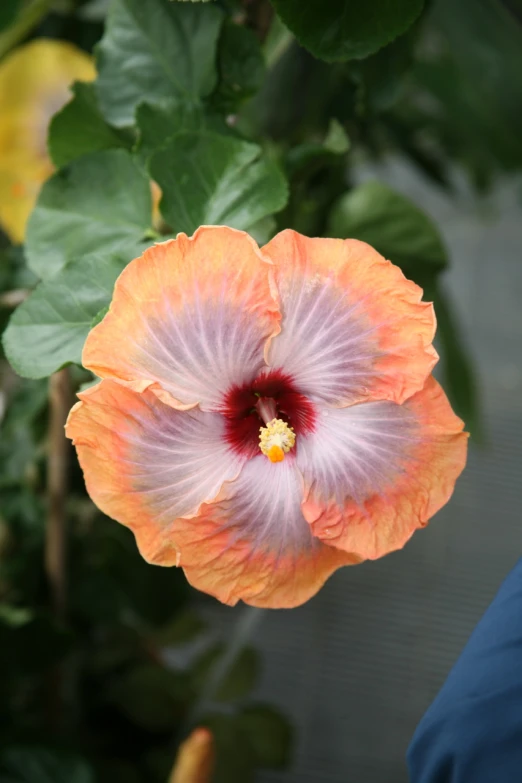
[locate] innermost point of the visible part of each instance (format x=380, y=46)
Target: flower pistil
x=276, y=440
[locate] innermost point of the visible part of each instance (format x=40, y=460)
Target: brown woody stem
x=57, y=474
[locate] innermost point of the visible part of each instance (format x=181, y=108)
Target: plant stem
x=55, y=542
x=27, y=20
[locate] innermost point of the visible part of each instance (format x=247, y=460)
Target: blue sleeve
x=472, y=733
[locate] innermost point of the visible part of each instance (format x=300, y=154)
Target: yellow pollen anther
x=276, y=440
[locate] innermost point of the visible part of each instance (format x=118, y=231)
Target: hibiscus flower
x=266, y=416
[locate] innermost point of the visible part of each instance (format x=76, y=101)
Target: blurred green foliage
x=262, y=122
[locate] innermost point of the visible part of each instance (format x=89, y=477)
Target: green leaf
x=79, y=128
x=19, y=441
x=8, y=12
x=14, y=616
x=49, y=329
x=382, y=76
x=185, y=627
x=34, y=764
x=14, y=272
x=238, y=681
x=151, y=696
x=241, y=66
x=235, y=761
x=336, y=140
x=305, y=160
x=269, y=733
x=216, y=180
x=263, y=230
x=344, y=29
x=458, y=374
x=154, y=51
x=18, y=645
x=96, y=204
x=393, y=225
x=157, y=124
x=477, y=77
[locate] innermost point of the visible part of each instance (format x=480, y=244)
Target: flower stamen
x=276, y=440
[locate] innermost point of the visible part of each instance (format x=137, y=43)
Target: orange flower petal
x=145, y=463
x=189, y=319
x=195, y=761
x=412, y=461
x=154, y=469
x=353, y=327
x=253, y=543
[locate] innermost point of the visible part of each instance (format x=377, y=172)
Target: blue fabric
x=472, y=733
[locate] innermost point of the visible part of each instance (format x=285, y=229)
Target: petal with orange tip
x=189, y=319
x=353, y=327
x=377, y=472
x=195, y=761
x=146, y=464
x=253, y=543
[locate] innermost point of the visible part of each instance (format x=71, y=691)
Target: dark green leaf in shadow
x=183, y=628
x=151, y=696
x=241, y=67
x=478, y=75
x=34, y=764
x=382, y=76
x=235, y=759
x=342, y=29
x=304, y=160
x=269, y=733
x=32, y=647
x=239, y=680
x=8, y=12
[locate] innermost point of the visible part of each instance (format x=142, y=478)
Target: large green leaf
x=344, y=29
x=207, y=178
x=392, y=224
x=80, y=128
x=96, y=204
x=158, y=123
x=33, y=764
x=49, y=329
x=153, y=51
